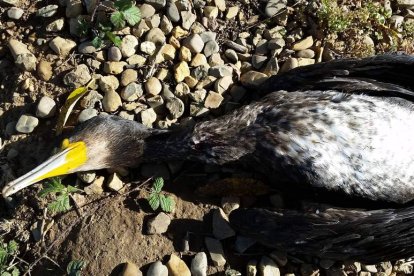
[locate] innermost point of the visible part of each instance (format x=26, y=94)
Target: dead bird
x=344, y=127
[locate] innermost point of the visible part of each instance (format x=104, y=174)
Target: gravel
x=26, y=124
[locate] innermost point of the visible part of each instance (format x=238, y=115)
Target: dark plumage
x=344, y=127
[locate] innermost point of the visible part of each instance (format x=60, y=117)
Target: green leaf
x=114, y=38
x=72, y=189
x=118, y=20
x=154, y=201
x=97, y=42
x=61, y=204
x=52, y=186
x=15, y=271
x=123, y=4
x=167, y=203
x=12, y=247
x=158, y=184
x=74, y=267
x=132, y=15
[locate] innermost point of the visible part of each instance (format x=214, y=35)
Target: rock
x=157, y=4
x=46, y=107
x=232, y=12
x=158, y=224
x=87, y=114
x=146, y=11
x=275, y=6
x=305, y=61
x=114, y=67
x=406, y=3
x=303, y=44
x=153, y=86
x=131, y=269
x=178, y=32
x=148, y=47
x=223, y=84
x=114, y=183
x=157, y=269
x=251, y=269
x=307, y=53
x=386, y=267
x=108, y=83
x=272, y=67
x=44, y=70
x=128, y=45
x=22, y=56
x=132, y=92
x=231, y=55
x=136, y=60
x=111, y=101
x=168, y=52
x=237, y=47
x=220, y=71
x=128, y=76
x=199, y=265
x=230, y=203
x=86, y=177
x=177, y=267
x=181, y=71
x=243, y=243
x=86, y=48
x=352, y=267
x=289, y=64
x=148, y=117
x=215, y=251
x=369, y=268
x=156, y=36
x=48, y=11
x=156, y=103
x=253, y=79
x=77, y=77
x=114, y=54
x=210, y=12
x=188, y=19
x=55, y=26
x=26, y=124
x=403, y=267
x=62, y=46
x=258, y=61
x=176, y=107
x=91, y=99
x=268, y=267
x=221, y=227
x=199, y=60
x=15, y=13
x=185, y=54
x=194, y=43
x=172, y=11
x=213, y=100
x=210, y=48
x=73, y=8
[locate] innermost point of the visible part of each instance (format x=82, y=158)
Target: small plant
x=7, y=251
x=157, y=199
x=75, y=267
x=126, y=11
x=61, y=203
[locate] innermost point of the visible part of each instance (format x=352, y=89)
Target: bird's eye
x=65, y=143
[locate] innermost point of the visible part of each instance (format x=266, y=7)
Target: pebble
x=47, y=11
x=199, y=60
x=220, y=71
x=210, y=12
x=132, y=92
x=194, y=43
x=156, y=103
x=87, y=114
x=128, y=76
x=148, y=117
x=91, y=99
x=307, y=53
x=44, y=70
x=289, y=64
x=223, y=84
x=168, y=52
x=86, y=48
x=114, y=54
x=73, y=8
x=272, y=67
x=111, y=101
x=55, y=26
x=157, y=4
x=108, y=83
x=210, y=48
x=303, y=44
x=22, y=56
x=230, y=203
x=177, y=267
x=188, y=19
x=137, y=60
x=268, y=267
x=251, y=269
x=15, y=13
x=215, y=250
x=231, y=55
x=185, y=54
x=114, y=67
x=165, y=25
x=147, y=47
x=153, y=86
x=253, y=79
x=181, y=70
x=62, y=46
x=258, y=61
x=369, y=268
x=114, y=183
x=46, y=107
x=156, y=35
x=140, y=29
x=275, y=6
x=128, y=45
x=77, y=77
x=86, y=177
x=146, y=11
x=172, y=11
x=176, y=107
x=232, y=12
x=157, y=269
x=237, y=47
x=130, y=269
x=26, y=124
x=158, y=224
x=199, y=265
x=305, y=61
x=243, y=243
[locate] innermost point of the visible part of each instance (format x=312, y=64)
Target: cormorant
x=345, y=127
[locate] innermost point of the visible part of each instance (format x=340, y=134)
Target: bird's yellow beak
x=71, y=157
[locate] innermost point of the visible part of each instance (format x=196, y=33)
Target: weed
x=157, y=199
x=7, y=252
x=62, y=202
x=75, y=267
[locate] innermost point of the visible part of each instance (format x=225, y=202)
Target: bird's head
x=101, y=142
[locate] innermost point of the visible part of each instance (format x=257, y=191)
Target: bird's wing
x=336, y=234
x=383, y=75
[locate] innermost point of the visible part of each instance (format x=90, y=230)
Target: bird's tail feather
x=336, y=234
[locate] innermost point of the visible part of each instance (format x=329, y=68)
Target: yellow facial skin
x=68, y=160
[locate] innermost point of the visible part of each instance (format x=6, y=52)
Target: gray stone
x=272, y=67
x=157, y=103
x=147, y=11
x=46, y=107
x=175, y=107
x=220, y=71
x=157, y=4
x=77, y=77
x=132, y=92
x=223, y=84
x=289, y=64
x=154, y=21
x=165, y=25
x=253, y=79
x=188, y=18
x=231, y=55
x=268, y=267
x=157, y=269
x=147, y=47
x=62, y=46
x=216, y=252
x=159, y=224
x=47, y=11
x=86, y=48
x=26, y=124
x=87, y=114
x=199, y=264
x=251, y=268
x=208, y=36
x=210, y=48
x=148, y=117
x=15, y=13
x=22, y=56
x=111, y=101
x=90, y=99
x=114, y=183
x=156, y=35
x=230, y=203
x=172, y=11
x=237, y=47
x=258, y=61
x=86, y=177
x=55, y=26
x=194, y=43
x=108, y=83
x=409, y=4
x=307, y=53
x=114, y=54
x=128, y=45
x=275, y=6
x=74, y=8
x=128, y=76
x=262, y=47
